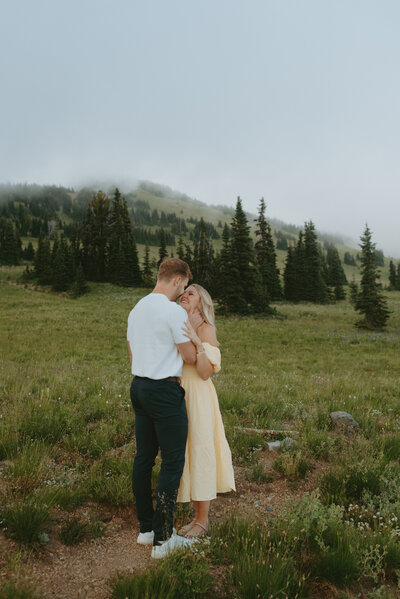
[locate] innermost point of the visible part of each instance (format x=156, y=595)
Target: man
x=158, y=348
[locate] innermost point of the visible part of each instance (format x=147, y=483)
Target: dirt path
x=83, y=571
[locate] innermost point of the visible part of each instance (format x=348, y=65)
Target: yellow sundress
x=208, y=461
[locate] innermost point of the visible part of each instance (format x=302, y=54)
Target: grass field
x=66, y=439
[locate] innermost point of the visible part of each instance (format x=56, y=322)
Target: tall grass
x=66, y=427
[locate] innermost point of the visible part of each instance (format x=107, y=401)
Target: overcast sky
x=297, y=101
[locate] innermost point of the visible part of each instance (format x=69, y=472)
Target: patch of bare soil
x=83, y=571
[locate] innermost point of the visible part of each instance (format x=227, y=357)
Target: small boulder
x=344, y=422
x=274, y=445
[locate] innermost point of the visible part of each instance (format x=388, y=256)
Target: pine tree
x=95, y=237
x=180, y=250
x=266, y=256
x=147, y=271
x=203, y=259
x=42, y=261
x=315, y=287
x=353, y=292
x=29, y=252
x=294, y=275
x=80, y=286
x=240, y=288
x=370, y=301
x=10, y=243
x=162, y=250
x=61, y=265
x=122, y=257
x=392, y=275
x=227, y=278
x=398, y=277
x=336, y=276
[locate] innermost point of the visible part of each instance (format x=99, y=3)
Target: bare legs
x=199, y=525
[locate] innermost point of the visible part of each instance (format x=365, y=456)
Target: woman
x=208, y=463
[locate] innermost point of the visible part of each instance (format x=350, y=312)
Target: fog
x=293, y=101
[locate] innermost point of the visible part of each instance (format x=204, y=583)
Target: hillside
x=151, y=207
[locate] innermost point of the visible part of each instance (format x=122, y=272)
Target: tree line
x=243, y=276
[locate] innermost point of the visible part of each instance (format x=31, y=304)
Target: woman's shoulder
x=207, y=334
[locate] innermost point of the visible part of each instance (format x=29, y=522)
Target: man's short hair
x=173, y=267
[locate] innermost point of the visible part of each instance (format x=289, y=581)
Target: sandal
x=201, y=533
x=182, y=531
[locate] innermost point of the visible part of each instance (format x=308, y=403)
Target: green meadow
x=66, y=439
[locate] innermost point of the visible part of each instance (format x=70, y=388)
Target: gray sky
x=297, y=101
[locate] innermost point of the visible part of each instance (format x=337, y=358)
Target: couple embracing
x=174, y=351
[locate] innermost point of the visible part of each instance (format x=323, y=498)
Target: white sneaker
x=173, y=543
x=145, y=538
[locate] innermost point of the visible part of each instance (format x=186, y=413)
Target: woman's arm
x=205, y=333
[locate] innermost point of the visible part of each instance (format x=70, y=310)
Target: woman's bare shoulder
x=206, y=333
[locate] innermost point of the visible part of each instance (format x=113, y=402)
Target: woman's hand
x=191, y=334
x=195, y=318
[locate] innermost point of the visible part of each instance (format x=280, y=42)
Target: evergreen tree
x=147, y=271
x=294, y=275
x=180, y=250
x=162, y=250
x=188, y=257
x=80, y=285
x=349, y=259
x=353, y=292
x=266, y=256
x=42, y=261
x=227, y=278
x=392, y=276
x=95, y=237
x=289, y=275
x=10, y=243
x=398, y=277
x=29, y=252
x=122, y=257
x=203, y=259
x=336, y=275
x=315, y=287
x=370, y=301
x=241, y=288
x=61, y=265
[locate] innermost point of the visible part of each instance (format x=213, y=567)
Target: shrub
x=30, y=466
x=74, y=531
x=24, y=521
x=348, y=483
x=109, y=481
x=13, y=590
x=257, y=474
x=391, y=447
x=291, y=464
x=46, y=420
x=181, y=575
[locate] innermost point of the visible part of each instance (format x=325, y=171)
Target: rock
x=274, y=445
x=344, y=422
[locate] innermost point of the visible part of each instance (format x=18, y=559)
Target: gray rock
x=274, y=445
x=344, y=422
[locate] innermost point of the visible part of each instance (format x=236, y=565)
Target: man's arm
x=130, y=353
x=188, y=352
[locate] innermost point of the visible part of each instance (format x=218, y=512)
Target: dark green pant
x=160, y=422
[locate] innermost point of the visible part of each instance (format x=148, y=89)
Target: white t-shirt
x=154, y=328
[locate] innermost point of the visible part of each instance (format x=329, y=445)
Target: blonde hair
x=206, y=302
